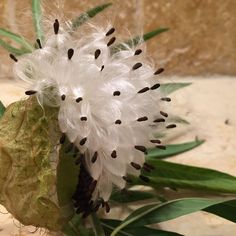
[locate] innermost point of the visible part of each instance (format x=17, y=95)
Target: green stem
x=97, y=225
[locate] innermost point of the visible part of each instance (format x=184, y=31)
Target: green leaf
x=37, y=16
x=167, y=174
x=110, y=225
x=156, y=213
x=178, y=120
x=131, y=196
x=173, y=149
x=169, y=88
x=138, y=40
x=89, y=14
x=2, y=109
x=17, y=38
x=13, y=50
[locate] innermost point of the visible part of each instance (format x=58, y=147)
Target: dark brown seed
x=116, y=93
x=102, y=68
x=144, y=178
x=30, y=92
x=155, y=141
x=141, y=148
x=163, y=113
x=69, y=148
x=83, y=141
x=39, y=43
x=70, y=53
x=162, y=147
x=110, y=31
x=136, y=66
x=92, y=186
x=118, y=122
x=83, y=118
x=63, y=138
x=63, y=97
x=155, y=86
x=13, y=57
x=56, y=26
x=166, y=99
x=149, y=166
x=171, y=126
x=145, y=168
x=114, y=154
x=79, y=99
x=159, y=120
x=159, y=71
x=94, y=157
x=107, y=207
x=128, y=180
x=97, y=53
x=144, y=118
x=143, y=90
x=111, y=41
x=135, y=165
x=137, y=52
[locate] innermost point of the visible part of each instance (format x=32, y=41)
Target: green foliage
x=37, y=15
x=2, y=109
x=89, y=14
x=169, y=88
x=172, y=150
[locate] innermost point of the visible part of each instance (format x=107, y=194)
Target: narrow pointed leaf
x=110, y=225
x=17, y=38
x=37, y=16
x=89, y=14
x=167, y=174
x=178, y=119
x=2, y=109
x=173, y=149
x=13, y=50
x=169, y=88
x=156, y=213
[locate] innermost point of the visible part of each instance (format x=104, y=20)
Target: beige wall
x=201, y=40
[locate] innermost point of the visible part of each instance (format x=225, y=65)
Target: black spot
x=143, y=90
x=163, y=113
x=171, y=126
x=136, y=66
x=70, y=53
x=97, y=53
x=118, y=122
x=30, y=92
x=155, y=86
x=110, y=31
x=144, y=118
x=39, y=43
x=111, y=41
x=141, y=148
x=13, y=57
x=83, y=141
x=79, y=99
x=56, y=26
x=116, y=93
x=159, y=71
x=114, y=154
x=94, y=157
x=137, y=52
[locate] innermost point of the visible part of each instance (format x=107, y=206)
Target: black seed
x=63, y=138
x=63, y=97
x=155, y=86
x=144, y=118
x=39, y=43
x=149, y=166
x=70, y=53
x=141, y=148
x=163, y=113
x=102, y=68
x=111, y=41
x=136, y=66
x=83, y=141
x=155, y=141
x=137, y=52
x=143, y=90
x=135, y=165
x=94, y=157
x=162, y=147
x=144, y=178
x=118, y=122
x=128, y=180
x=116, y=93
x=30, y=92
x=79, y=99
x=69, y=148
x=159, y=120
x=146, y=169
x=56, y=26
x=97, y=53
x=107, y=207
x=159, y=71
x=171, y=126
x=110, y=31
x=13, y=57
x=166, y=99
x=83, y=118
x=114, y=154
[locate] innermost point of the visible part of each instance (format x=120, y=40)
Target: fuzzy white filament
x=109, y=102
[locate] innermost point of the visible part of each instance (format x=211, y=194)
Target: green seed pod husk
x=29, y=157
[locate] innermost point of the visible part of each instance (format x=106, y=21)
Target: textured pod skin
x=28, y=160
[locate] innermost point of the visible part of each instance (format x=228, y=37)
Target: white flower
x=110, y=103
